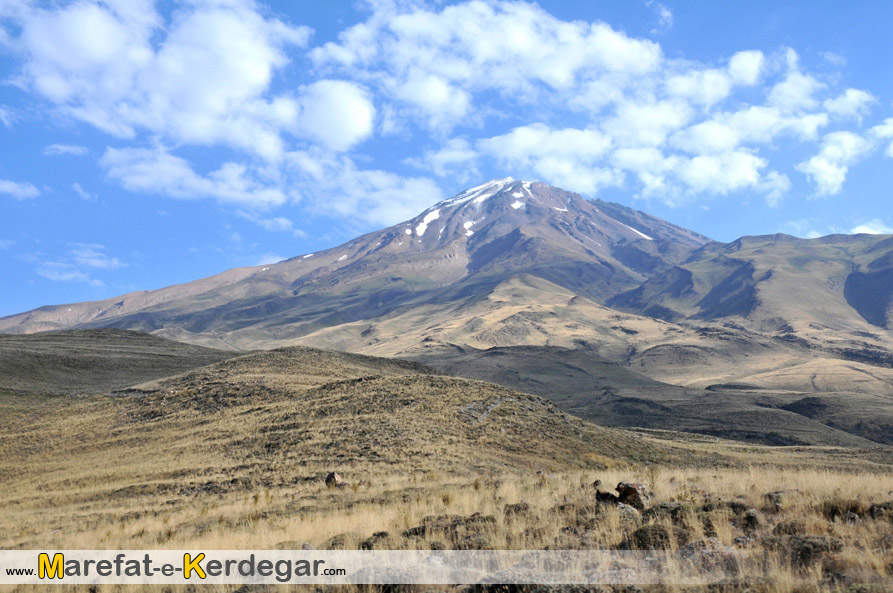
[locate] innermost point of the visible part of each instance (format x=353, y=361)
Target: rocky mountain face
x=612, y=314
x=830, y=290
x=458, y=249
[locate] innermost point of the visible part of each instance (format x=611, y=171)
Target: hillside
x=235, y=454
x=87, y=362
x=833, y=291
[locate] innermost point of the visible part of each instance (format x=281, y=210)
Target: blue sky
x=144, y=144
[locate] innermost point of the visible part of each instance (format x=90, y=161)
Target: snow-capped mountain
x=456, y=249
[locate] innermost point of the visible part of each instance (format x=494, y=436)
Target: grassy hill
x=79, y=362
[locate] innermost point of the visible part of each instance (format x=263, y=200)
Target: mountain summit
x=460, y=247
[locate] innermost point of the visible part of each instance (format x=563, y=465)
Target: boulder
x=805, y=550
x=839, y=508
x=709, y=554
x=776, y=500
x=789, y=528
x=628, y=514
x=334, y=480
x=751, y=521
x=513, y=511
x=342, y=541
x=380, y=540
x=674, y=511
x=635, y=495
x=882, y=511
x=655, y=537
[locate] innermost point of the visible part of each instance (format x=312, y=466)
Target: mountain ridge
x=481, y=236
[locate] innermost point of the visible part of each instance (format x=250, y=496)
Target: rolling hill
x=88, y=362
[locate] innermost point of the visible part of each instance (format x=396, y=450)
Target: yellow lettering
x=190, y=564
x=51, y=570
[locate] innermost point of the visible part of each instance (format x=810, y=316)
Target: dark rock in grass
x=837, y=509
x=635, y=495
x=674, y=511
x=804, y=550
x=380, y=540
x=709, y=554
x=334, y=480
x=751, y=521
x=454, y=527
x=789, y=528
x=341, y=541
x=881, y=511
x=474, y=542
x=655, y=537
x=628, y=514
x=775, y=501
x=737, y=507
x=293, y=545
x=520, y=509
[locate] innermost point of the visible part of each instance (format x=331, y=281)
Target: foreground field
x=817, y=535
x=234, y=455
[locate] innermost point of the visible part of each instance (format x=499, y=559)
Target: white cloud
x=802, y=227
x=76, y=264
x=723, y=173
x=852, y=103
x=335, y=186
x=647, y=124
x=275, y=224
x=872, y=227
x=72, y=149
x=796, y=91
x=336, y=114
x=434, y=61
x=269, y=258
x=202, y=78
x=884, y=131
x=93, y=256
x=6, y=117
x=81, y=192
x=745, y=67
x=6, y=243
x=833, y=58
x=566, y=157
x=775, y=185
x=828, y=168
x=19, y=191
x=701, y=87
x=456, y=158
x=664, y=15
x=579, y=104
x=62, y=272
x=159, y=172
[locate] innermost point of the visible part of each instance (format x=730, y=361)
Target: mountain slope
x=834, y=292
x=459, y=247
x=87, y=362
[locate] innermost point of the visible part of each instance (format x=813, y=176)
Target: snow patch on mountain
x=428, y=219
x=640, y=233
x=479, y=193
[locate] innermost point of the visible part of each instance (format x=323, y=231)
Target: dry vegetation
x=233, y=456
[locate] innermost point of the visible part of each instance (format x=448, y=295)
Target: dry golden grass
x=234, y=458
